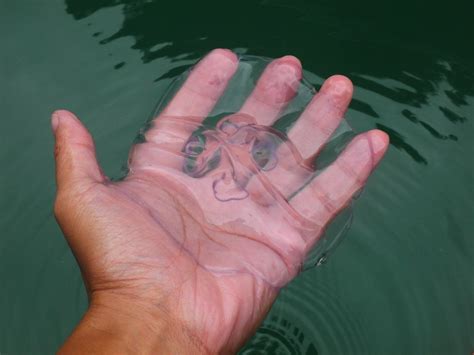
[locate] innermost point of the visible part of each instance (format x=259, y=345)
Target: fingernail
x=379, y=141
x=290, y=65
x=55, y=120
x=339, y=86
x=291, y=60
x=226, y=53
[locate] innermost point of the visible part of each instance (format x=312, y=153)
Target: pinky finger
x=333, y=189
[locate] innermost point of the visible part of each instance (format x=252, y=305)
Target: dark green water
x=400, y=283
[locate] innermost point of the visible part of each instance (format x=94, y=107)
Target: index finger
x=194, y=101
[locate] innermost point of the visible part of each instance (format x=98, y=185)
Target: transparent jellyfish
x=240, y=162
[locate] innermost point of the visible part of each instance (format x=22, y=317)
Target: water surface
x=400, y=283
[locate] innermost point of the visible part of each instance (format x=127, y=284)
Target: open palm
x=205, y=228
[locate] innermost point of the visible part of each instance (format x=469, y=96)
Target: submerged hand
x=187, y=253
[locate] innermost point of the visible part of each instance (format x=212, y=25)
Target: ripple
x=308, y=318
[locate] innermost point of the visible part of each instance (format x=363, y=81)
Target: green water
x=400, y=283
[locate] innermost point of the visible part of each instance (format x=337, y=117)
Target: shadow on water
x=336, y=37
x=414, y=76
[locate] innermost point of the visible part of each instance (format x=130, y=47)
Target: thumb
x=74, y=152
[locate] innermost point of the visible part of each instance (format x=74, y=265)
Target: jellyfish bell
x=232, y=156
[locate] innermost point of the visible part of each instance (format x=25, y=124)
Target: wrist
x=120, y=325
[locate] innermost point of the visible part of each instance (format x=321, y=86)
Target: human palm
x=209, y=230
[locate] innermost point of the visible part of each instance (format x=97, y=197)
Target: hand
x=181, y=259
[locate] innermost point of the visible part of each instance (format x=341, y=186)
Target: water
x=400, y=283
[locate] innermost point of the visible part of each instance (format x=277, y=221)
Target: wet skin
x=189, y=259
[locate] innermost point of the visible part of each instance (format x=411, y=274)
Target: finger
x=195, y=99
x=274, y=90
x=333, y=189
x=76, y=163
x=308, y=135
x=322, y=116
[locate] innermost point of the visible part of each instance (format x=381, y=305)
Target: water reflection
x=412, y=117
x=399, y=142
x=403, y=70
x=452, y=116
